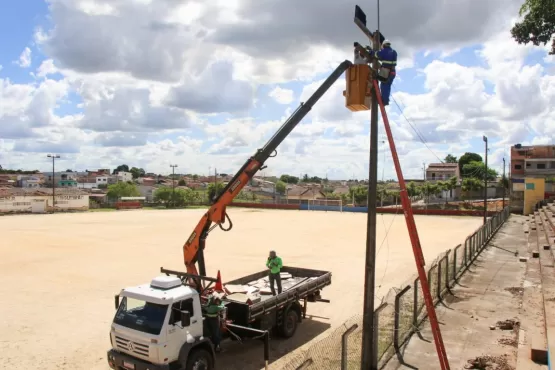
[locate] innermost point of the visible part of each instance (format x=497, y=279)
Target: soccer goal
x=325, y=205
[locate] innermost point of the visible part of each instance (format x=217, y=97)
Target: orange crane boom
x=193, y=249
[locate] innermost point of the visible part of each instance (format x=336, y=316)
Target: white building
x=39, y=200
x=124, y=176
x=28, y=181
x=102, y=180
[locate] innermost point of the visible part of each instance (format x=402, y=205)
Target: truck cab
x=159, y=326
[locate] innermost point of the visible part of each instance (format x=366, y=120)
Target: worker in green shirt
x=275, y=264
x=212, y=316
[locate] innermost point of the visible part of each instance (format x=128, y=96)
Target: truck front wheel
x=289, y=324
x=200, y=359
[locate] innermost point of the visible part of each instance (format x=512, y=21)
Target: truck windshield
x=144, y=316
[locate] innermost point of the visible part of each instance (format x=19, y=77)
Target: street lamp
x=53, y=156
x=485, y=138
x=173, y=166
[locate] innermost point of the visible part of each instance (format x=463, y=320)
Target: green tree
x=450, y=159
x=137, y=172
x=214, y=189
x=281, y=187
x=175, y=197
x=123, y=189
x=359, y=194
x=467, y=158
x=477, y=170
x=412, y=190
x=538, y=24
x=288, y=179
x=121, y=168
x=181, y=182
x=472, y=184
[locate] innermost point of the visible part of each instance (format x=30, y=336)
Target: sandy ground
x=59, y=273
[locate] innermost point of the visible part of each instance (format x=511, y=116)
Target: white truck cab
x=159, y=326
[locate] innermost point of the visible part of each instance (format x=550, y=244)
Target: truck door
x=178, y=335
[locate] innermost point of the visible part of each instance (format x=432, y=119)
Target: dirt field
x=59, y=273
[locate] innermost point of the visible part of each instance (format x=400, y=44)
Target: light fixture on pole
x=53, y=156
x=485, y=138
x=173, y=166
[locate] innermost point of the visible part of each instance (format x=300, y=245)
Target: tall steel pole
x=504, y=182
x=486, y=182
x=53, y=156
x=173, y=166
x=368, y=361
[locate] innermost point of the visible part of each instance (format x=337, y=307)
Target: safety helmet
x=386, y=42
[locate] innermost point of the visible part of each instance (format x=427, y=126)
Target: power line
x=420, y=136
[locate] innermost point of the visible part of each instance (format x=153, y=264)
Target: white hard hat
x=386, y=42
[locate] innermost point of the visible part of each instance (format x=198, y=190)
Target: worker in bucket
x=275, y=264
x=388, y=58
x=212, y=315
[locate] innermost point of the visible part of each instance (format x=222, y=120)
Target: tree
x=214, y=189
x=281, y=187
x=538, y=24
x=471, y=184
x=123, y=189
x=412, y=190
x=121, y=168
x=288, y=179
x=359, y=194
x=467, y=158
x=175, y=197
x=450, y=159
x=478, y=170
x=137, y=172
x=181, y=182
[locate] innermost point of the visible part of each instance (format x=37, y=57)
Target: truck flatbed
x=297, y=284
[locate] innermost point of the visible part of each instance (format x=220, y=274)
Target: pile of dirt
x=508, y=342
x=515, y=290
x=489, y=363
x=508, y=325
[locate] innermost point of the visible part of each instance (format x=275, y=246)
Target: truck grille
x=130, y=346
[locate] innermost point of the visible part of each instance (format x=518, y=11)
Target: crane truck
x=160, y=325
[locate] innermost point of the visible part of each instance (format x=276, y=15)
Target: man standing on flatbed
x=275, y=264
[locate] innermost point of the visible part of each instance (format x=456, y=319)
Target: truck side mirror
x=185, y=319
x=116, y=300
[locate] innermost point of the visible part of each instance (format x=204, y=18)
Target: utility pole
x=424, y=171
x=503, y=179
x=368, y=361
x=485, y=138
x=53, y=156
x=173, y=166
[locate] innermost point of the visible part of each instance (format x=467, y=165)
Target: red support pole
x=415, y=240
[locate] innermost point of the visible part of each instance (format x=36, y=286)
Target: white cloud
x=25, y=58
x=159, y=82
x=282, y=96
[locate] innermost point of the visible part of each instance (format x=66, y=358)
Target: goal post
x=325, y=205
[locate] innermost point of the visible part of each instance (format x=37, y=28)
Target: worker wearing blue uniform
x=388, y=57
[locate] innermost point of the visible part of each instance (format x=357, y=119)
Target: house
x=340, y=190
x=28, y=181
x=442, y=171
x=39, y=200
x=529, y=163
x=147, y=181
x=147, y=191
x=304, y=193
x=124, y=176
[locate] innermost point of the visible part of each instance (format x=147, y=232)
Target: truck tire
x=199, y=359
x=289, y=325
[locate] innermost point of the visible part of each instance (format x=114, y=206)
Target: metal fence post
x=376, y=334
x=397, y=311
x=344, y=352
x=439, y=273
x=415, y=307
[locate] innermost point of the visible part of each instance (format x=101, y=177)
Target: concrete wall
x=43, y=203
x=533, y=193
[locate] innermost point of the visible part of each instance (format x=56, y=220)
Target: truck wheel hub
x=200, y=364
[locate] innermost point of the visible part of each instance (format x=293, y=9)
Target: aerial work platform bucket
x=358, y=94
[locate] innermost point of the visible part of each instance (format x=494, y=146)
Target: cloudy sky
x=203, y=84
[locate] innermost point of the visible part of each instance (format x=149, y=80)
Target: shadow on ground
x=249, y=355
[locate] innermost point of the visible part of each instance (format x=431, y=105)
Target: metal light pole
x=485, y=138
x=53, y=156
x=503, y=179
x=173, y=166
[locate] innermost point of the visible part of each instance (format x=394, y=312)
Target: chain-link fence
x=401, y=312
